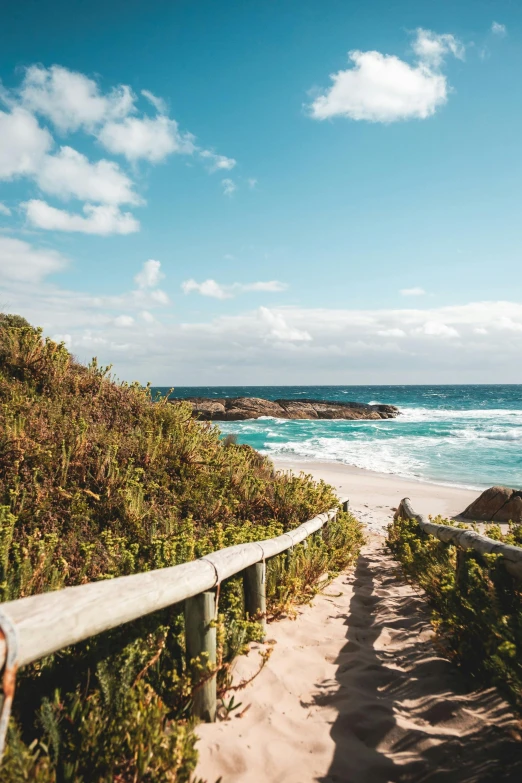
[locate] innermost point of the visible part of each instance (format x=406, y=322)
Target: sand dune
x=355, y=691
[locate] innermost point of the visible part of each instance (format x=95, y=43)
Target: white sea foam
x=473, y=448
x=437, y=414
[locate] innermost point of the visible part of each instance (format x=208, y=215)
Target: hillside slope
x=97, y=480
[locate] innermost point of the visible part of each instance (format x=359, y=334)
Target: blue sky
x=186, y=192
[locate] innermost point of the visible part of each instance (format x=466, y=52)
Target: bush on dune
x=97, y=480
x=476, y=603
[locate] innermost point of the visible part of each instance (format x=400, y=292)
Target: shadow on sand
x=402, y=715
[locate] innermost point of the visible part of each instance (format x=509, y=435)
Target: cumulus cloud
x=70, y=100
x=462, y=343
x=431, y=48
x=437, y=329
x=23, y=262
x=498, y=29
x=229, y=186
x=71, y=174
x=145, y=138
x=150, y=275
x=218, y=291
x=147, y=281
x=104, y=219
x=416, y=291
x=383, y=88
x=124, y=320
x=23, y=143
x=4, y=210
x=279, y=328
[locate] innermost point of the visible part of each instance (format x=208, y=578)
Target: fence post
x=200, y=635
x=346, y=505
x=254, y=585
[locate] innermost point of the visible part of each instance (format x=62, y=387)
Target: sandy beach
x=355, y=690
x=373, y=496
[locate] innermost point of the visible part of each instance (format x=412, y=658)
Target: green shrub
x=477, y=608
x=97, y=480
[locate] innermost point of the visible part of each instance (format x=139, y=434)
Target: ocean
x=468, y=436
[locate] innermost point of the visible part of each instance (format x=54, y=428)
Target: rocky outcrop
x=497, y=504
x=241, y=408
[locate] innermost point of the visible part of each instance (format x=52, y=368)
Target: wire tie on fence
x=9, y=635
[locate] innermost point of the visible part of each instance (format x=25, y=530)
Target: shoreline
x=356, y=469
x=375, y=496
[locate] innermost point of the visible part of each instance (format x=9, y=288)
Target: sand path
x=356, y=692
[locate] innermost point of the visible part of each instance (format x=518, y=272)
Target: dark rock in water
x=241, y=408
x=497, y=504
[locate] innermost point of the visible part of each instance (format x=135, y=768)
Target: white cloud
x=71, y=100
x=218, y=162
x=509, y=324
x=4, y=210
x=229, y=186
x=23, y=262
x=383, y=88
x=218, y=291
x=391, y=332
x=437, y=329
x=147, y=281
x=124, y=320
x=416, y=291
x=467, y=343
x=499, y=29
x=280, y=329
x=431, y=48
x=150, y=275
x=269, y=285
x=206, y=288
x=69, y=173
x=159, y=296
x=252, y=183
x=147, y=138
x=105, y=219
x=158, y=103
x=23, y=143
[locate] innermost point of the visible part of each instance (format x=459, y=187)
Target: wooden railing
x=466, y=539
x=33, y=627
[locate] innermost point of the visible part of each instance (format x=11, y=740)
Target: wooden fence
x=466, y=539
x=33, y=627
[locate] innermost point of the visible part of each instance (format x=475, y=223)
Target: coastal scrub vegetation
x=476, y=603
x=98, y=480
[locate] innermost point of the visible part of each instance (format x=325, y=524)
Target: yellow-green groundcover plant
x=97, y=480
x=476, y=604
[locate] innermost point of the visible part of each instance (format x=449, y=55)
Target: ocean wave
x=386, y=458
x=434, y=414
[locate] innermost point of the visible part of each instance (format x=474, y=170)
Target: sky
x=253, y=192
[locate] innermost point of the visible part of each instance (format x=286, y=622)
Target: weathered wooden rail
x=466, y=539
x=39, y=625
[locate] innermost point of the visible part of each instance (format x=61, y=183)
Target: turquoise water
x=465, y=435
